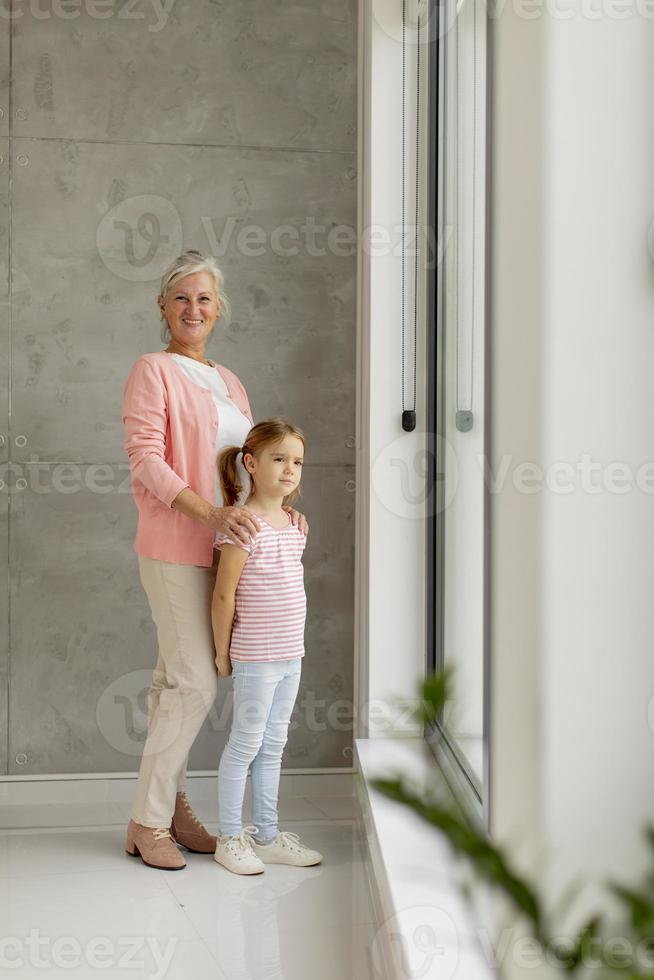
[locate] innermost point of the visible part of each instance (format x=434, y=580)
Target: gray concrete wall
x=125, y=139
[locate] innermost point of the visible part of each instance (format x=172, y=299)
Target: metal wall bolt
x=350, y=442
x=22, y=159
x=2, y=441
x=21, y=758
x=21, y=113
x=350, y=486
x=21, y=440
x=21, y=483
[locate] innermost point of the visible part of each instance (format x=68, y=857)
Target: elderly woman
x=179, y=410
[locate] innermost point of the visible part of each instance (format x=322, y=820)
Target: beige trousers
x=184, y=681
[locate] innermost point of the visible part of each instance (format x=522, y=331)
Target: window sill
x=417, y=876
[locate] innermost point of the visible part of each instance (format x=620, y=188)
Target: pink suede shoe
x=154, y=846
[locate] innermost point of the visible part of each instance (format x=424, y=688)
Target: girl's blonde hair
x=262, y=435
x=185, y=265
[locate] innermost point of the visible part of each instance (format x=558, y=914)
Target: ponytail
x=228, y=475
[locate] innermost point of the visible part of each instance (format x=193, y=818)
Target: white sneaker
x=234, y=852
x=286, y=848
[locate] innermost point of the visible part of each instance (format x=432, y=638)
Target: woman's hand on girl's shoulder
x=298, y=519
x=239, y=523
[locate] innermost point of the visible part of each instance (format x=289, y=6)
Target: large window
x=457, y=553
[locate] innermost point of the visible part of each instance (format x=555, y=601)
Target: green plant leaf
x=582, y=950
x=641, y=909
x=488, y=860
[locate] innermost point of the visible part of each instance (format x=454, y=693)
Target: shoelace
x=244, y=838
x=291, y=840
x=187, y=806
x=160, y=833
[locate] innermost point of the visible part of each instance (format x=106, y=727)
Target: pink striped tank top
x=270, y=601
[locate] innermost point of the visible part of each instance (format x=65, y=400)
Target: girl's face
x=191, y=308
x=277, y=469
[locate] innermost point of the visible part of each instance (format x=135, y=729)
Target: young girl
x=258, y=615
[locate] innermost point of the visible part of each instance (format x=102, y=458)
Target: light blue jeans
x=264, y=696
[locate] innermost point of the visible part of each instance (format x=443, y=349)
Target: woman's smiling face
x=191, y=307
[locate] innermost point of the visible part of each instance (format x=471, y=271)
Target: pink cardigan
x=170, y=438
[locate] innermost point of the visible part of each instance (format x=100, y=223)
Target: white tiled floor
x=71, y=899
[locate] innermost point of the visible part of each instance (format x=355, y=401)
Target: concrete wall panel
x=247, y=73
x=4, y=420
x=84, y=300
x=230, y=128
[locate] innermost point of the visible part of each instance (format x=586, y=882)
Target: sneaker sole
x=234, y=872
x=259, y=851
x=292, y=864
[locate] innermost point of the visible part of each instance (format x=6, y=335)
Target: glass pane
x=460, y=419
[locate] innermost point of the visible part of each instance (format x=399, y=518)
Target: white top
x=233, y=426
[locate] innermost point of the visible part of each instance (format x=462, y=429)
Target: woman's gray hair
x=185, y=265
